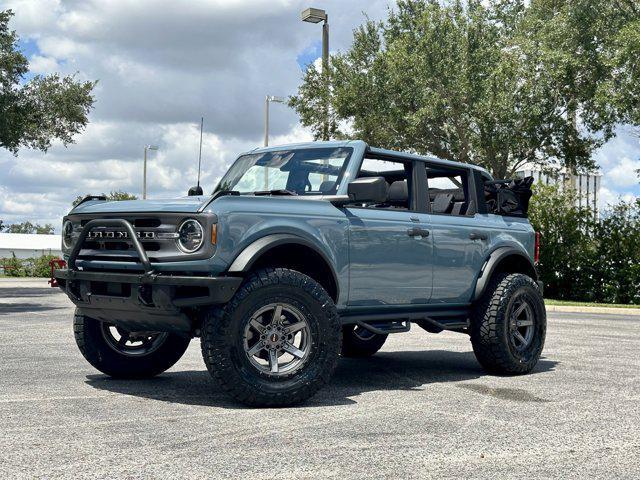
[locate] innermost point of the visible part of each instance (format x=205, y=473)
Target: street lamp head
x=314, y=15
x=152, y=147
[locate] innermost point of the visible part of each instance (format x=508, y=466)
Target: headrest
x=327, y=186
x=443, y=203
x=398, y=193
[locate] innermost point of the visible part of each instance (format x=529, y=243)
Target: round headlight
x=191, y=236
x=67, y=235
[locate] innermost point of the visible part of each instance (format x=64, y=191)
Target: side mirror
x=195, y=191
x=368, y=190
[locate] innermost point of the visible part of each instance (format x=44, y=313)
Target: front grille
x=112, y=243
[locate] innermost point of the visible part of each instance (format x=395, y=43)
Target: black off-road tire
x=223, y=330
x=356, y=345
x=94, y=347
x=490, y=325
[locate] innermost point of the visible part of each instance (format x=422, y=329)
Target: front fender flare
x=245, y=260
x=492, y=263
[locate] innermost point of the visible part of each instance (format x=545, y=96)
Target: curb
x=577, y=309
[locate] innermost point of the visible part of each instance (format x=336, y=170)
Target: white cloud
x=623, y=173
x=43, y=65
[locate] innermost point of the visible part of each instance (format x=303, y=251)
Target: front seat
x=398, y=195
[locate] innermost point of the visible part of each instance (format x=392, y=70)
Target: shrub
x=585, y=260
x=27, y=267
x=13, y=267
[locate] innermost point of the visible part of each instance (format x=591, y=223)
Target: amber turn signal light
x=214, y=233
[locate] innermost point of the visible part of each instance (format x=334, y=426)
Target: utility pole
x=144, y=174
x=316, y=15
x=268, y=99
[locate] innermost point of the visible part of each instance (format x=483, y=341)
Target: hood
x=159, y=205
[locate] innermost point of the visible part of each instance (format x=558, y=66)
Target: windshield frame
x=342, y=173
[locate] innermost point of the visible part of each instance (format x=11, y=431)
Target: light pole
x=144, y=175
x=316, y=15
x=267, y=100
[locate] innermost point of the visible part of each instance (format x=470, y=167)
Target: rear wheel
x=360, y=342
x=509, y=326
x=127, y=354
x=276, y=342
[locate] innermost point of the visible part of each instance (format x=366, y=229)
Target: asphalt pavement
x=421, y=408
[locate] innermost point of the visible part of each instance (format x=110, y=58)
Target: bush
x=618, y=254
x=585, y=260
x=12, y=266
x=27, y=267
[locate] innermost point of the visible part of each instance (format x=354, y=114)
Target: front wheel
x=126, y=354
x=276, y=342
x=509, y=326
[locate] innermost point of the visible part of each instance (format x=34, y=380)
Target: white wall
x=29, y=245
x=25, y=253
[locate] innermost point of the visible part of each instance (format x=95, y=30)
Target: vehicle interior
x=449, y=192
x=448, y=188
x=398, y=177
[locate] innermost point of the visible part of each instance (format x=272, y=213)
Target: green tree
x=28, y=227
x=618, y=254
x=473, y=83
x=34, y=113
x=567, y=248
x=114, y=196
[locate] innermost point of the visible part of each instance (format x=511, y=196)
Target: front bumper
x=145, y=301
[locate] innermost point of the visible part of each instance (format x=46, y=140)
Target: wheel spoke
x=123, y=340
x=296, y=327
x=524, y=323
x=293, y=350
x=520, y=338
x=255, y=349
x=257, y=325
x=277, y=313
x=519, y=310
x=273, y=361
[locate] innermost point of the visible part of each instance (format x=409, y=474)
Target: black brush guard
x=140, y=301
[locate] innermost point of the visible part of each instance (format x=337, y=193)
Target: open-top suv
x=304, y=253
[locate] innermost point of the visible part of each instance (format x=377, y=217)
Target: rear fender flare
x=493, y=262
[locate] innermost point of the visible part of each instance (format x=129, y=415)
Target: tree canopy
x=499, y=83
x=35, y=113
x=115, y=195
x=27, y=227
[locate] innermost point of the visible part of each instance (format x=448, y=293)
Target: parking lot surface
x=421, y=408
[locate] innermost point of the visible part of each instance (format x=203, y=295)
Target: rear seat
x=457, y=208
x=442, y=203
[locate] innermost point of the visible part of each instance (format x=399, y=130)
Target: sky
x=162, y=65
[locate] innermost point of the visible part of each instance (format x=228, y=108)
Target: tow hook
x=144, y=295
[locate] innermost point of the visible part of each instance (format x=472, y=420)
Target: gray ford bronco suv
x=304, y=253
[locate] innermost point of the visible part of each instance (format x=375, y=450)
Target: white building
x=25, y=245
x=587, y=185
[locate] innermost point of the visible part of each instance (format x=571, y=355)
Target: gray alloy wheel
x=132, y=343
x=521, y=322
x=277, y=339
x=509, y=325
x=123, y=354
x=276, y=342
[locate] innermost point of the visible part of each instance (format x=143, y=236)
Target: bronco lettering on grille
x=118, y=235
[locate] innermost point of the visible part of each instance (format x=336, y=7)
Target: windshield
x=309, y=171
